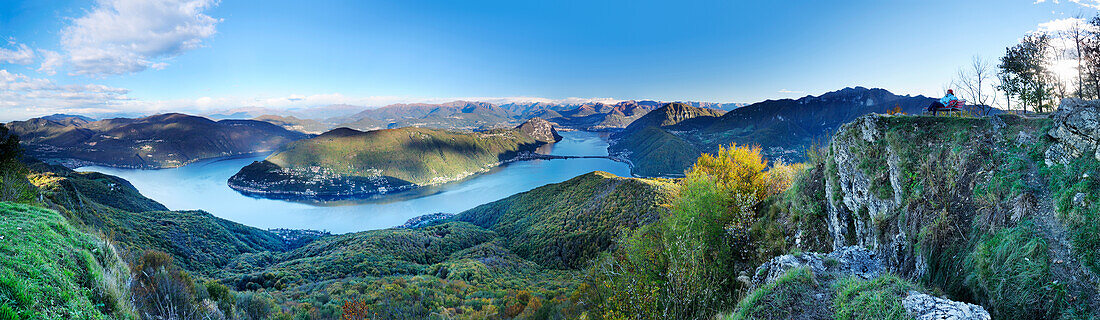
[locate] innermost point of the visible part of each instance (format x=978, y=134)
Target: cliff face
x=858, y=198
x=974, y=206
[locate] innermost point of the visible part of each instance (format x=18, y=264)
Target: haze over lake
x=202, y=186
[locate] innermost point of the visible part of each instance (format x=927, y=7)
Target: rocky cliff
x=975, y=208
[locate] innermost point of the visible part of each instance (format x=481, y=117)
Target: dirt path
x=1065, y=267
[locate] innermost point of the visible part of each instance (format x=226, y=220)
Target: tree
x=14, y=186
x=976, y=83
x=1024, y=73
x=1090, y=59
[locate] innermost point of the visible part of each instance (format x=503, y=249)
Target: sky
x=198, y=56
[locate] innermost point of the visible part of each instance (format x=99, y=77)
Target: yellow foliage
x=743, y=174
x=741, y=170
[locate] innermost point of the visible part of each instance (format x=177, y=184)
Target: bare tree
x=1077, y=34
x=1090, y=58
x=976, y=82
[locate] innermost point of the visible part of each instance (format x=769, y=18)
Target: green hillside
x=499, y=253
x=417, y=155
x=654, y=152
x=51, y=270
x=565, y=225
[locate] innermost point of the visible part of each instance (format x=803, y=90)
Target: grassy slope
x=417, y=155
x=799, y=294
x=51, y=270
x=566, y=224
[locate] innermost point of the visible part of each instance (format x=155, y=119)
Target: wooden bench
x=955, y=106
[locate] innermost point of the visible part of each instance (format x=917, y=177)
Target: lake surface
x=202, y=186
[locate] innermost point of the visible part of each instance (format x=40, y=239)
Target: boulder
x=1076, y=131
x=921, y=306
x=851, y=260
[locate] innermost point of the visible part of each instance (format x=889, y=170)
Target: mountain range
x=665, y=142
x=158, y=141
x=461, y=115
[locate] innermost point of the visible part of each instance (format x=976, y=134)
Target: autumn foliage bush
x=685, y=266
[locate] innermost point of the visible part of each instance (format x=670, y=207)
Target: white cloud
x=1063, y=25
x=23, y=97
x=1094, y=4
x=785, y=91
x=127, y=36
x=21, y=54
x=51, y=60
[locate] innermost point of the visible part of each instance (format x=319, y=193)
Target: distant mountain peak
x=540, y=129
x=668, y=115
x=676, y=112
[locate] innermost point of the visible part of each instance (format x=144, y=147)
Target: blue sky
x=202, y=55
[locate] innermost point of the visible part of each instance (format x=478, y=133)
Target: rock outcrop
x=1076, y=130
x=854, y=204
x=921, y=306
x=851, y=260
x=865, y=264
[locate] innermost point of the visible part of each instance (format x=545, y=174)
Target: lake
x=202, y=186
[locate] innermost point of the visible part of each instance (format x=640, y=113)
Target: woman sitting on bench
x=947, y=100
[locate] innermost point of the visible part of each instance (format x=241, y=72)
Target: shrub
x=14, y=186
x=222, y=296
x=255, y=306
x=162, y=291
